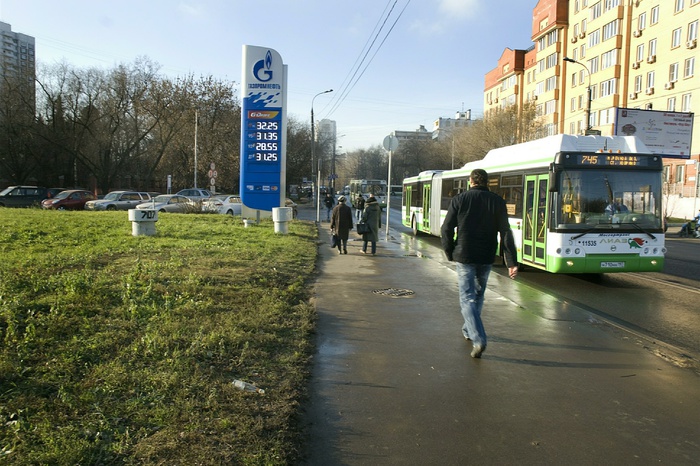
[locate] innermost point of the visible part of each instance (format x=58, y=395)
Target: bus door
x=426, y=207
x=407, y=205
x=535, y=221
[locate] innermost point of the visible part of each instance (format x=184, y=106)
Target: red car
x=71, y=199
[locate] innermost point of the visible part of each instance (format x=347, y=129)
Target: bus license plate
x=612, y=265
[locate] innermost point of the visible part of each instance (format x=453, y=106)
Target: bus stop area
x=393, y=382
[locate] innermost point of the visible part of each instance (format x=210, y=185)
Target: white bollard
x=248, y=222
x=143, y=221
x=281, y=216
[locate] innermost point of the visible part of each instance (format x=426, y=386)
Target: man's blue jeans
x=472, y=279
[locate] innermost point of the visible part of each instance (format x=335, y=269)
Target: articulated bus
x=377, y=188
x=576, y=204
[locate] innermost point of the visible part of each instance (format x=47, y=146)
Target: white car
x=229, y=204
x=169, y=203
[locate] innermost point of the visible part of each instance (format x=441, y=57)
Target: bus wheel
x=414, y=226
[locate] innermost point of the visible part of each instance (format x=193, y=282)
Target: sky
x=393, y=64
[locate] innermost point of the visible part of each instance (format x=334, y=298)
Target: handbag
x=362, y=228
x=334, y=241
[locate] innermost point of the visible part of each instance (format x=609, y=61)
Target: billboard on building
x=666, y=133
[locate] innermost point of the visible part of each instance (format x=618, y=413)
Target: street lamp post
x=313, y=155
x=589, y=92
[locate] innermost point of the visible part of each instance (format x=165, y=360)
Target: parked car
x=70, y=199
x=229, y=204
x=118, y=200
x=26, y=196
x=169, y=203
x=290, y=203
x=195, y=194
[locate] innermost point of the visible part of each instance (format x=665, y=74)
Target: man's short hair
x=479, y=177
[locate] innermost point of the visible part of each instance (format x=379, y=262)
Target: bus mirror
x=553, y=181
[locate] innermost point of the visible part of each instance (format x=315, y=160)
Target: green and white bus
x=576, y=204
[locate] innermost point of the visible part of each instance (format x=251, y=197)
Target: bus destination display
x=610, y=160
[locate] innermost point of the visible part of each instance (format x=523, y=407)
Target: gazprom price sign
x=263, y=141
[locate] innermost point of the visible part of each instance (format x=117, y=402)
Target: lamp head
x=570, y=60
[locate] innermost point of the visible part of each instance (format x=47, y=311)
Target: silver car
x=118, y=200
x=169, y=203
x=229, y=204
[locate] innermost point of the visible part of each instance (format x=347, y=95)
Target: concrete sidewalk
x=393, y=383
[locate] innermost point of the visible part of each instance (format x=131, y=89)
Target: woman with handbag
x=372, y=216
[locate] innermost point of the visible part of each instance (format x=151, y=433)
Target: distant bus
x=395, y=190
x=377, y=188
x=576, y=204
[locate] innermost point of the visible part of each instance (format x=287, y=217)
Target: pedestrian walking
x=341, y=224
x=329, y=202
x=479, y=216
x=372, y=216
x=359, y=206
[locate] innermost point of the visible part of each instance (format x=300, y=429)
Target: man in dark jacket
x=479, y=216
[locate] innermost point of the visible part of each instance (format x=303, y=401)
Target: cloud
x=188, y=9
x=445, y=14
x=459, y=8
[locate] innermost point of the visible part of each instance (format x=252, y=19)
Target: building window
x=671, y=104
x=550, y=107
x=610, y=30
x=640, y=53
x=685, y=105
x=638, y=83
x=608, y=87
x=584, y=25
x=654, y=15
x=652, y=48
x=676, y=38
x=593, y=65
x=573, y=79
x=642, y=22
x=689, y=70
x=650, y=80
x=596, y=10
x=673, y=73
x=573, y=104
x=610, y=4
x=679, y=173
x=581, y=75
x=680, y=4
x=551, y=83
x=693, y=30
x=583, y=51
x=609, y=59
x=594, y=38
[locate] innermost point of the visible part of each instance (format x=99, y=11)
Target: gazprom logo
x=262, y=69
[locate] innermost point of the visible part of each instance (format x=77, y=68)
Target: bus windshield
x=625, y=200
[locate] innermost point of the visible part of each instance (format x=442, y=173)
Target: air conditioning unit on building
x=637, y=33
x=582, y=34
x=668, y=86
x=534, y=97
x=635, y=65
x=691, y=44
x=633, y=95
x=574, y=39
x=650, y=90
x=651, y=58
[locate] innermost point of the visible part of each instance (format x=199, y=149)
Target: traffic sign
x=391, y=143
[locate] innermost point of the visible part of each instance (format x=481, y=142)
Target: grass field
x=122, y=350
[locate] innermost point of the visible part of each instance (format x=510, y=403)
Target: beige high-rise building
x=626, y=53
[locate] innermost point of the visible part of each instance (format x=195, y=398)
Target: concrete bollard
x=248, y=222
x=281, y=216
x=143, y=222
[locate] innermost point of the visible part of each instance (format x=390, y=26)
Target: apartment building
x=619, y=54
x=18, y=57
